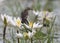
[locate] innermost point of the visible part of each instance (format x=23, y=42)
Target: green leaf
x=49, y=40
x=7, y=41
x=46, y=22
x=5, y=21
x=40, y=35
x=52, y=24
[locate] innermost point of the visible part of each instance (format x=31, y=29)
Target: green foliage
x=49, y=40
x=50, y=32
x=7, y=41
x=46, y=22
x=37, y=7
x=40, y=35
x=5, y=21
x=48, y=6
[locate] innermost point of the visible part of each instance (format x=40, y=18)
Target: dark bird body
x=24, y=15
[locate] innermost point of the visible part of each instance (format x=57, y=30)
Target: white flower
x=19, y=35
x=37, y=25
x=42, y=14
x=50, y=16
x=33, y=25
x=8, y=18
x=12, y=21
x=31, y=34
x=33, y=31
x=35, y=12
x=2, y=16
x=17, y=22
x=45, y=14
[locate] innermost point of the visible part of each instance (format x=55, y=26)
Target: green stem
x=4, y=31
x=25, y=41
x=31, y=40
x=18, y=38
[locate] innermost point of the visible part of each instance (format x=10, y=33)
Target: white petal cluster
x=36, y=12
x=12, y=20
x=34, y=26
x=29, y=34
x=19, y=35
x=44, y=14
x=8, y=18
x=17, y=22
x=37, y=25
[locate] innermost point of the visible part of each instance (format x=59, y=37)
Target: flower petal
x=2, y=17
x=27, y=26
x=37, y=25
x=19, y=35
x=35, y=12
x=30, y=34
x=17, y=22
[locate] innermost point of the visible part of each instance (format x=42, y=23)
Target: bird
x=24, y=15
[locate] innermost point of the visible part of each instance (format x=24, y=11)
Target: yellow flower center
x=18, y=22
x=44, y=12
x=31, y=24
x=25, y=34
x=48, y=19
